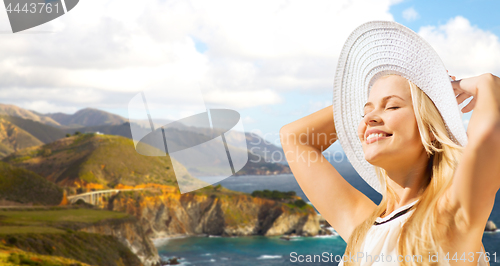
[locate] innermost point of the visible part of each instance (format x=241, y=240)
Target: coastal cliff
x=164, y=212
x=130, y=234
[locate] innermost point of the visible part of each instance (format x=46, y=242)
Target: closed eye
x=394, y=107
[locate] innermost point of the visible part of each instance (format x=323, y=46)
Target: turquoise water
x=254, y=250
x=268, y=251
x=259, y=250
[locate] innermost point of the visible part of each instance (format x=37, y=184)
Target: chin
x=374, y=163
x=375, y=159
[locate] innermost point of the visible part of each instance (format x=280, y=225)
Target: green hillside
x=12, y=256
x=91, y=158
x=52, y=232
x=13, y=138
x=24, y=186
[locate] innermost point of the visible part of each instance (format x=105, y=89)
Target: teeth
x=374, y=135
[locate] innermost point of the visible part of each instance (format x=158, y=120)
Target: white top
x=380, y=246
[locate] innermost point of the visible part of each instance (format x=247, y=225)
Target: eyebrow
x=385, y=99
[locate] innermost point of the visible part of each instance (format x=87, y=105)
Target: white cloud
x=248, y=120
x=48, y=107
x=410, y=14
x=115, y=48
x=466, y=50
x=315, y=106
x=242, y=99
x=80, y=96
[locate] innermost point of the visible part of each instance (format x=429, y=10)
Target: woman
x=397, y=118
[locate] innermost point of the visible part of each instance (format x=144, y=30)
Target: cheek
x=361, y=130
x=407, y=127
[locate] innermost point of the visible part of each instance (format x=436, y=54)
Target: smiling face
x=389, y=132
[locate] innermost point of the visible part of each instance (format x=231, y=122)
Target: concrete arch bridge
x=94, y=197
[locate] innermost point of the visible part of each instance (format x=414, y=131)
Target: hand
x=465, y=92
x=464, y=89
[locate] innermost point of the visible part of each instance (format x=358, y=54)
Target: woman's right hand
x=469, y=87
x=464, y=89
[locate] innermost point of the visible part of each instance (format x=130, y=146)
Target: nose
x=372, y=118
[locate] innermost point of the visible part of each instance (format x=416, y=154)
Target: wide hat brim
x=379, y=48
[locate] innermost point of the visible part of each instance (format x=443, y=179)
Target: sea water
x=260, y=250
x=252, y=250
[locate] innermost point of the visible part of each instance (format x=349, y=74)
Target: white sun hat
x=375, y=49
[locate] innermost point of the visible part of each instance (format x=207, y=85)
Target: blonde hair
x=419, y=235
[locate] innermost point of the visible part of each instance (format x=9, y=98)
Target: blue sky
x=483, y=13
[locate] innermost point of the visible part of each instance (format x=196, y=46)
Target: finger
x=469, y=107
x=462, y=97
x=456, y=85
x=458, y=92
x=468, y=84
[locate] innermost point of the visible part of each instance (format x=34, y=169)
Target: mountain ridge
x=13, y=110
x=87, y=117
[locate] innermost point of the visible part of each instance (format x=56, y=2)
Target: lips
x=373, y=135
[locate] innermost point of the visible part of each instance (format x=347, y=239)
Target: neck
x=407, y=181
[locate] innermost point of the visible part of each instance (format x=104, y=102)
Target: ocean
x=270, y=251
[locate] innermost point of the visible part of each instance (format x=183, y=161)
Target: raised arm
x=477, y=177
x=303, y=142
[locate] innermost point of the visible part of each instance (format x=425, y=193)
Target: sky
x=272, y=61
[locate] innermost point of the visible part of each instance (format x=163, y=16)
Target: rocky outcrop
x=325, y=227
x=213, y=211
x=490, y=226
x=300, y=224
x=130, y=233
